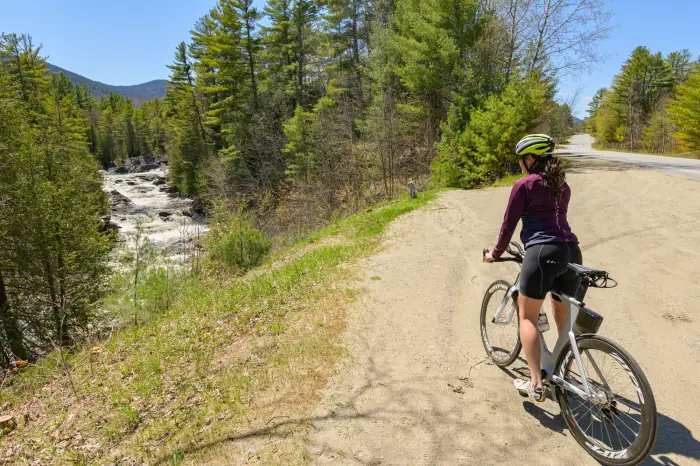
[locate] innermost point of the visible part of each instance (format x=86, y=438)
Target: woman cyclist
x=541, y=200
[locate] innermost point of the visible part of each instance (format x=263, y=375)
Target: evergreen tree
x=278, y=49
x=684, y=113
x=251, y=43
x=188, y=145
x=642, y=82
x=304, y=14
x=53, y=257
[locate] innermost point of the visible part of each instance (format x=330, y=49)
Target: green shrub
x=481, y=149
x=234, y=242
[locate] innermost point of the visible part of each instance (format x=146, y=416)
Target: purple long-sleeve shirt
x=544, y=219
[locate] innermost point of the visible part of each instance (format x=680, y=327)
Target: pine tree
x=642, y=82
x=278, y=49
x=304, y=14
x=299, y=146
x=188, y=145
x=345, y=25
x=54, y=252
x=251, y=42
x=680, y=64
x=684, y=113
x=430, y=42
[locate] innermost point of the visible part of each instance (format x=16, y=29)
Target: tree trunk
x=300, y=70
x=356, y=48
x=251, y=64
x=540, y=39
x=513, y=13
x=13, y=335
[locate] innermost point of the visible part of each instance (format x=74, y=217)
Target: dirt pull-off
x=417, y=390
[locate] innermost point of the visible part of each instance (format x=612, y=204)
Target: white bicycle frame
x=549, y=358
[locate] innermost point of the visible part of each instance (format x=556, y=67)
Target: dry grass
x=229, y=375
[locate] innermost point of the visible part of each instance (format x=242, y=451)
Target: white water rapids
x=145, y=201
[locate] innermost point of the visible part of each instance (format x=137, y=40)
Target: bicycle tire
x=499, y=285
x=642, y=445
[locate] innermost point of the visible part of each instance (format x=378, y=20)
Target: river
x=145, y=201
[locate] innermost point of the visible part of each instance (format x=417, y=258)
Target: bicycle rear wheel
x=619, y=428
x=501, y=339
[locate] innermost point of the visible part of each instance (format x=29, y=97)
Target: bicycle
x=627, y=423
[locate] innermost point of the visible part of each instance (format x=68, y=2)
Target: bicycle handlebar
x=514, y=249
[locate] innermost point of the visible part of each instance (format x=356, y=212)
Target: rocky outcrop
x=117, y=199
x=140, y=164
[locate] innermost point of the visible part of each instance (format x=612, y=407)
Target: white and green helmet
x=535, y=145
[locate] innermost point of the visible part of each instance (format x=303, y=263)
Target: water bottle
x=542, y=322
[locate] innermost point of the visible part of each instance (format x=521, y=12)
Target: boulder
x=164, y=214
x=118, y=170
x=142, y=160
x=109, y=225
x=144, y=168
x=171, y=189
x=159, y=181
x=118, y=199
x=197, y=207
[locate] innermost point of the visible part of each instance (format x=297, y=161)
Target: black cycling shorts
x=545, y=267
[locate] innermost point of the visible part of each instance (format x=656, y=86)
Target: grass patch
x=507, y=181
x=373, y=220
x=229, y=358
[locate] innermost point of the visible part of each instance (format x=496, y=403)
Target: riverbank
x=230, y=357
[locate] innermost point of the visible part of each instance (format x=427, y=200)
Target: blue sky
x=132, y=41
x=661, y=25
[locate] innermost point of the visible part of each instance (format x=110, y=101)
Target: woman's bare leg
x=529, y=337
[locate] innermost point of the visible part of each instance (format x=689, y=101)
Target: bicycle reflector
x=587, y=321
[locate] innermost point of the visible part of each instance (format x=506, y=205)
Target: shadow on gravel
x=280, y=427
x=672, y=437
x=591, y=162
x=586, y=163
x=548, y=419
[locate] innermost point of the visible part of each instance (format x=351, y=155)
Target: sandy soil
x=401, y=398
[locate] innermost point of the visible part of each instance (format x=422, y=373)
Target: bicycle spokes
x=611, y=419
x=502, y=329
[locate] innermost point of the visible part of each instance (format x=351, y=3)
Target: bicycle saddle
x=586, y=271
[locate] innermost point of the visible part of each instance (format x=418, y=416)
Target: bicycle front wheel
x=618, y=427
x=501, y=337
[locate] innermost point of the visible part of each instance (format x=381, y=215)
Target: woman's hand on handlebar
x=488, y=258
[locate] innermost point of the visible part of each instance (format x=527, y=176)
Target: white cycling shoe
x=525, y=388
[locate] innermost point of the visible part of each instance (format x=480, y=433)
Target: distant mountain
x=138, y=92
x=578, y=121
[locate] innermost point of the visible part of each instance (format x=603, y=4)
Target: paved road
x=580, y=147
